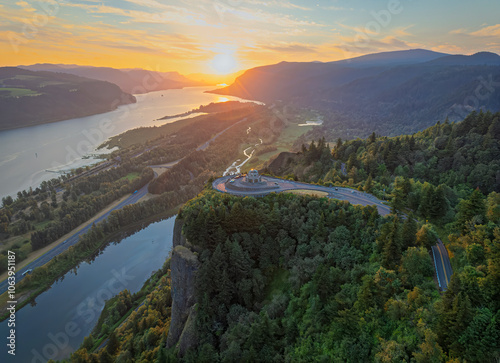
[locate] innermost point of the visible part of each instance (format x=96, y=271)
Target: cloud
x=402, y=32
x=269, y=4
x=353, y=47
x=269, y=19
x=359, y=30
x=173, y=15
x=448, y=48
x=150, y=3
x=489, y=31
x=289, y=48
x=25, y=6
x=459, y=31
x=336, y=8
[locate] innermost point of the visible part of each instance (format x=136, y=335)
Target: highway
x=442, y=265
x=42, y=260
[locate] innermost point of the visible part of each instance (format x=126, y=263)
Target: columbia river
x=33, y=154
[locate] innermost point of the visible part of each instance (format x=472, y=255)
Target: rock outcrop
x=183, y=265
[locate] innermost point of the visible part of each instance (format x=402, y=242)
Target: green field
x=291, y=133
x=315, y=193
x=130, y=176
x=17, y=92
x=26, y=77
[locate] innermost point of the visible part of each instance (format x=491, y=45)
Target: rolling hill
x=134, y=81
x=30, y=98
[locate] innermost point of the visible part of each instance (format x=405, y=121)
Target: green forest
x=287, y=278
x=30, y=98
x=298, y=278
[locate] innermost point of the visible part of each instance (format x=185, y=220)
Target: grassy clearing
x=130, y=177
x=314, y=193
x=18, y=92
x=267, y=156
x=41, y=225
x=10, y=242
x=290, y=134
x=51, y=83
x=26, y=77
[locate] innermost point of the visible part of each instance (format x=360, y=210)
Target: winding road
x=350, y=195
x=440, y=254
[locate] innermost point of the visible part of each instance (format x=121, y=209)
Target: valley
x=323, y=208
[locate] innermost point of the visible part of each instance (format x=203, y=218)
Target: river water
x=68, y=311
x=33, y=154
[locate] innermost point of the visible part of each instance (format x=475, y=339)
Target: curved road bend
x=440, y=254
x=350, y=195
x=42, y=260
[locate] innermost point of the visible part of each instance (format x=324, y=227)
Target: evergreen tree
x=426, y=237
x=409, y=232
x=471, y=211
x=113, y=343
x=368, y=184
x=430, y=351
x=439, y=205
x=392, y=246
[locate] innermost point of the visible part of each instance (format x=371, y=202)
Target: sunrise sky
x=206, y=36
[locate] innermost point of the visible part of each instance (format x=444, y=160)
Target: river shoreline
x=26, y=153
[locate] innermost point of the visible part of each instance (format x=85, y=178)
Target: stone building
x=253, y=176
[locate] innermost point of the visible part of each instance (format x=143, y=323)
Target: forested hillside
x=462, y=156
x=30, y=98
x=455, y=154
x=391, y=97
x=133, y=81
x=298, y=278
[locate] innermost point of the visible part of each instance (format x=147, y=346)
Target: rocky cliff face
x=184, y=265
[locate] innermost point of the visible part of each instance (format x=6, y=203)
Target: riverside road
x=60, y=248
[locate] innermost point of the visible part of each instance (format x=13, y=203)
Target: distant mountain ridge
x=30, y=98
x=391, y=93
x=399, y=57
x=132, y=80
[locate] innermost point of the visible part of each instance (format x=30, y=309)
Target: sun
x=224, y=63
